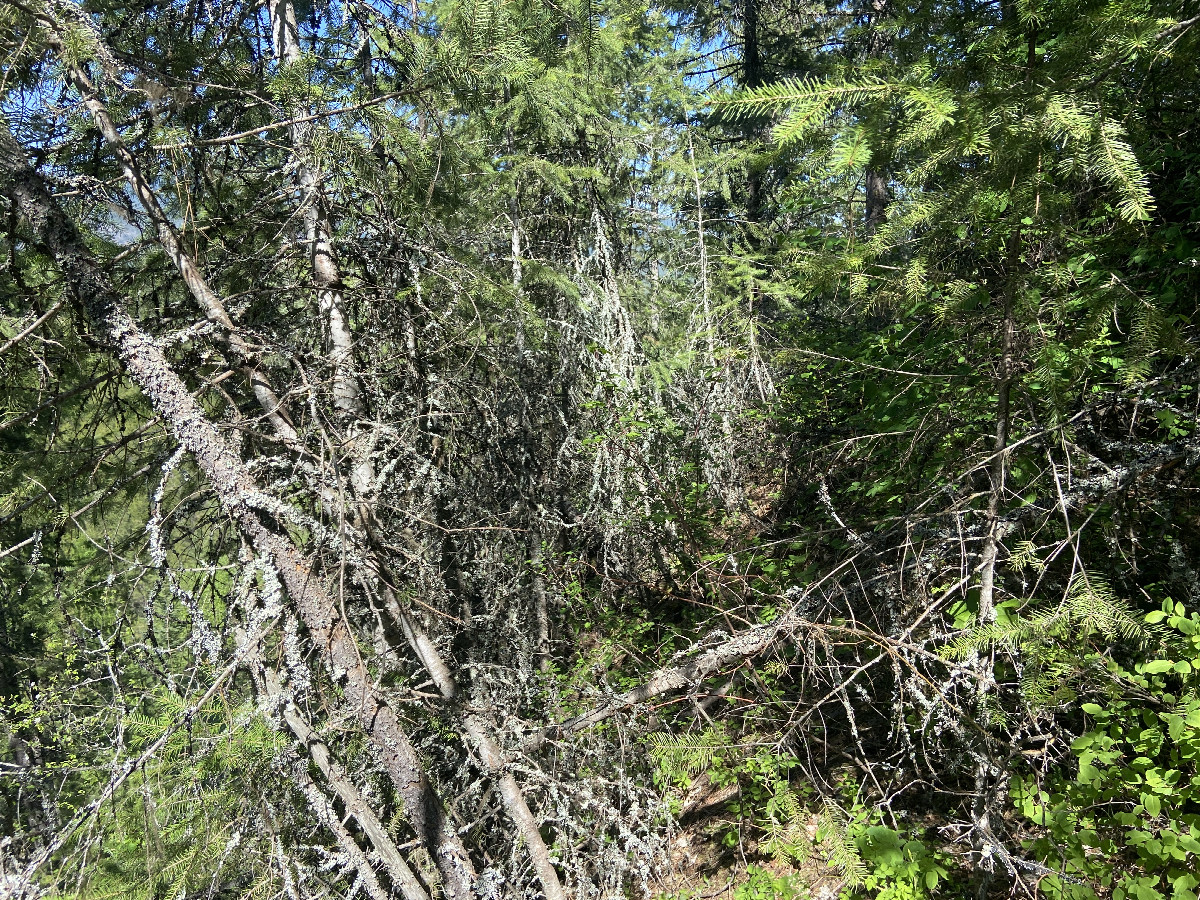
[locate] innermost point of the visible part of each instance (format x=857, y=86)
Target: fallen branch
x=741, y=647
x=402, y=876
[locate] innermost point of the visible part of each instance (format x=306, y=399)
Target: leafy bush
x=762, y=885
x=1128, y=821
x=899, y=866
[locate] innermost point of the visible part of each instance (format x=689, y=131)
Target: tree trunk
x=245, y=503
x=168, y=237
x=878, y=196
x=353, y=802
x=878, y=199
x=327, y=275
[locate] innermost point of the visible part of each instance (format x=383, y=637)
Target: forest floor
x=703, y=867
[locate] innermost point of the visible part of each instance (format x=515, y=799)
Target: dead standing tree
x=348, y=403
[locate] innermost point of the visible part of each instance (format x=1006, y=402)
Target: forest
x=480, y=449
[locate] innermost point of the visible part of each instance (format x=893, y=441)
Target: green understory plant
x=901, y=866
x=1126, y=822
x=761, y=884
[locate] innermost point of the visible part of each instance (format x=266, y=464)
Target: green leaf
x=1152, y=803
x=1175, y=727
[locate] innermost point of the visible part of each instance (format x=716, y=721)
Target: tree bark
x=878, y=199
x=168, y=237
x=326, y=272
x=323, y=809
x=878, y=196
x=494, y=760
x=352, y=801
x=751, y=57
x=752, y=77
x=347, y=401
x=245, y=503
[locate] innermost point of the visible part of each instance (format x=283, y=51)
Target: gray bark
x=323, y=809
x=245, y=503
x=348, y=402
x=210, y=302
x=327, y=275
x=353, y=802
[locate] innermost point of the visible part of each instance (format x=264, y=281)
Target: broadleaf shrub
x=1126, y=822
